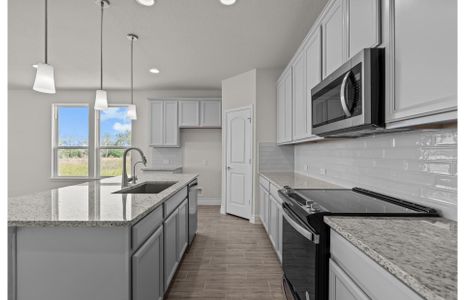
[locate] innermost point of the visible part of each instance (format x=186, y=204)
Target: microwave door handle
x=315, y=238
x=343, y=95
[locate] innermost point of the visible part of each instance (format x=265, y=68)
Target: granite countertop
x=91, y=204
x=296, y=181
x=162, y=168
x=420, y=252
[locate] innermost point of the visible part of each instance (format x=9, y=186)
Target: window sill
x=73, y=179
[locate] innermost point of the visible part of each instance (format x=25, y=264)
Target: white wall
x=29, y=136
x=418, y=166
x=266, y=104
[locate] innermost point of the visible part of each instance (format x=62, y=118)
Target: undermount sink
x=148, y=187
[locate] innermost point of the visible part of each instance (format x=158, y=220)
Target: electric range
x=305, y=254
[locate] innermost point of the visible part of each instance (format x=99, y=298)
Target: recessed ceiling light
x=228, y=2
x=146, y=2
x=154, y=70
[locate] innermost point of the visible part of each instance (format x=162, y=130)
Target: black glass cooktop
x=356, y=201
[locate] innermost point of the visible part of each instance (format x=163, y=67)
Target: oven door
x=300, y=254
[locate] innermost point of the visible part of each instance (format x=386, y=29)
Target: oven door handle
x=343, y=95
x=309, y=235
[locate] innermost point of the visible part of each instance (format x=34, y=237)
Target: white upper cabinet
x=156, y=122
x=284, y=108
x=164, y=124
x=422, y=62
x=189, y=113
x=210, y=113
x=280, y=111
x=300, y=100
x=334, y=37
x=313, y=73
x=200, y=113
x=364, y=25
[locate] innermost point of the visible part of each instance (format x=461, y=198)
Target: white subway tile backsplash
x=419, y=165
x=274, y=158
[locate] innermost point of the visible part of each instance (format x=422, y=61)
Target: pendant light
x=132, y=113
x=101, y=101
x=45, y=77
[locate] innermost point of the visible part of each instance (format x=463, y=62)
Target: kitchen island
x=88, y=242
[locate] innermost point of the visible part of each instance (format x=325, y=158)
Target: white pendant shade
x=146, y=2
x=101, y=101
x=45, y=79
x=132, y=112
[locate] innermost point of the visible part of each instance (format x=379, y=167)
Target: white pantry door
x=239, y=162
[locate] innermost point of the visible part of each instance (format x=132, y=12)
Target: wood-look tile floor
x=229, y=259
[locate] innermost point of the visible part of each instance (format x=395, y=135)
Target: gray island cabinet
x=86, y=242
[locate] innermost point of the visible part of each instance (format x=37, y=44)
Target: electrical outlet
x=305, y=167
x=322, y=171
x=166, y=161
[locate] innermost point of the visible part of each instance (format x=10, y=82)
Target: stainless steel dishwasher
x=193, y=189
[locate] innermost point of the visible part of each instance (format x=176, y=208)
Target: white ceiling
x=194, y=43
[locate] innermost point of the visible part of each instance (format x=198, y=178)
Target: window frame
x=55, y=147
x=97, y=147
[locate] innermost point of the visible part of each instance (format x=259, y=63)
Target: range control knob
x=314, y=207
x=308, y=203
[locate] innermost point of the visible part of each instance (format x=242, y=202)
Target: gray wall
x=419, y=166
x=29, y=137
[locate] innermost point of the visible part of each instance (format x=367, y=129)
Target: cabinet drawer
x=264, y=182
x=145, y=227
x=375, y=281
x=174, y=201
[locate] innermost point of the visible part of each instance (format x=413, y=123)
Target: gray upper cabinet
x=364, y=25
x=422, y=62
x=147, y=269
x=164, y=124
x=334, y=37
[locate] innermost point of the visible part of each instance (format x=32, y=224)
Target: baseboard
x=255, y=219
x=209, y=201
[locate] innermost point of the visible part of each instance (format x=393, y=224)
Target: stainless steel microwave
x=350, y=101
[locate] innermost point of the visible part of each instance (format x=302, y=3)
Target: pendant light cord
x=101, y=44
x=132, y=70
x=46, y=31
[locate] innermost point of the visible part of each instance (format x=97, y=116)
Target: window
x=70, y=141
x=114, y=137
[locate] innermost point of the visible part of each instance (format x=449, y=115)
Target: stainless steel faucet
x=125, y=180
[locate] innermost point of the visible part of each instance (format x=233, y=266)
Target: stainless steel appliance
x=192, y=203
x=305, y=254
x=350, y=101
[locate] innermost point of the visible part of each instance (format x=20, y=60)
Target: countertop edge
x=102, y=224
x=385, y=263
